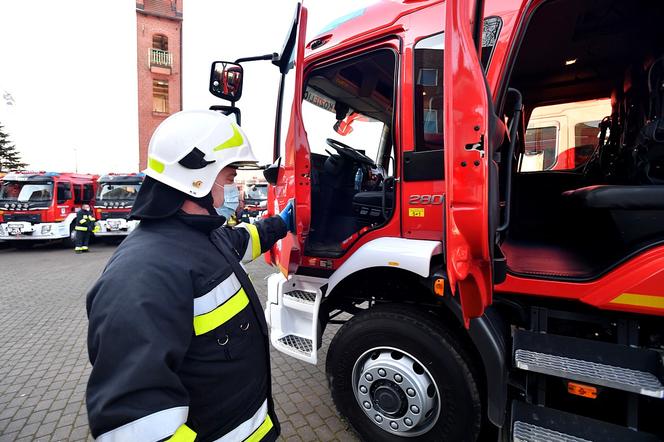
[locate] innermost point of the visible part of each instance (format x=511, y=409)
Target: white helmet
x=189, y=148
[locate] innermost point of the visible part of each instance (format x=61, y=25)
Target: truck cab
x=479, y=296
x=41, y=206
x=116, y=193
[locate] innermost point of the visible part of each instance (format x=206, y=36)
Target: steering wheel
x=350, y=153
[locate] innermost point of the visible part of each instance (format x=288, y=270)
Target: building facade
x=159, y=65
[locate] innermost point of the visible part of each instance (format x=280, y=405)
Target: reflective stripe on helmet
x=155, y=426
x=183, y=434
x=217, y=317
x=235, y=141
x=156, y=165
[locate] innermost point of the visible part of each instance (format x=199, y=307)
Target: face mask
x=231, y=201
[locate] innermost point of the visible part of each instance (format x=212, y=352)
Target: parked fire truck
x=41, y=206
x=476, y=300
x=116, y=193
x=255, y=199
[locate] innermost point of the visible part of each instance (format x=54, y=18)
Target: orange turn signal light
x=582, y=390
x=439, y=286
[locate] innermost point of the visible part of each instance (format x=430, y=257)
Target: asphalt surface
x=44, y=364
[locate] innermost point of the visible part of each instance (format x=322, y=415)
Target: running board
x=292, y=312
x=635, y=370
x=531, y=423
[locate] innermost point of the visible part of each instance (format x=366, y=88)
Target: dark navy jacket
x=177, y=337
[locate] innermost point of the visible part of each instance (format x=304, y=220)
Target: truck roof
x=363, y=22
x=126, y=178
x=48, y=176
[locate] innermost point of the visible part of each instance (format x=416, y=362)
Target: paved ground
x=44, y=365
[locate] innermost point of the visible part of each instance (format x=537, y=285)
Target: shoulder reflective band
x=253, y=250
x=234, y=141
x=217, y=296
x=81, y=228
x=251, y=430
x=83, y=221
x=155, y=426
x=209, y=321
x=184, y=434
x=156, y=165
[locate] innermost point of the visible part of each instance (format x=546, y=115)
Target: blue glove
x=287, y=216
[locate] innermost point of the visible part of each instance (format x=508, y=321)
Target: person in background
x=84, y=226
x=177, y=336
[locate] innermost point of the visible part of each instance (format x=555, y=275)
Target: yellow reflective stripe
x=209, y=321
x=261, y=431
x=234, y=141
x=255, y=240
x=639, y=300
x=183, y=434
x=81, y=228
x=78, y=248
x=156, y=165
x=83, y=221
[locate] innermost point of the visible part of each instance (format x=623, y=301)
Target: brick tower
x=159, y=37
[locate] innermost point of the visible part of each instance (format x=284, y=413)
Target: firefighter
x=83, y=225
x=177, y=337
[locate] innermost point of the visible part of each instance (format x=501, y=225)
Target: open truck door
x=291, y=172
x=468, y=238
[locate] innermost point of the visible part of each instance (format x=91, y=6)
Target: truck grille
x=33, y=218
x=115, y=215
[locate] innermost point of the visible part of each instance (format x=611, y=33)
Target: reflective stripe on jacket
x=177, y=336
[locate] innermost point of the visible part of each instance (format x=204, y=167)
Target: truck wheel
x=70, y=241
x=397, y=375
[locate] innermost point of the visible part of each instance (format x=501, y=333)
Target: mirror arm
x=272, y=57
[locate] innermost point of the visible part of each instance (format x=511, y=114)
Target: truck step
x=531, y=423
x=301, y=296
x=297, y=344
x=611, y=365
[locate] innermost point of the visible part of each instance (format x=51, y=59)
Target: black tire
x=421, y=338
x=70, y=242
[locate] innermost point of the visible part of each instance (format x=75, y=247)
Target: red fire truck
x=40, y=206
x=116, y=193
x=477, y=301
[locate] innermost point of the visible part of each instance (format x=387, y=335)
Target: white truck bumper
x=25, y=231
x=115, y=227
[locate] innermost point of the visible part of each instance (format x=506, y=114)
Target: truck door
x=294, y=179
x=468, y=236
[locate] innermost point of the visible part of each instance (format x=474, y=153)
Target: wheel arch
x=487, y=337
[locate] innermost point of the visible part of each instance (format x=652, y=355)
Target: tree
x=10, y=159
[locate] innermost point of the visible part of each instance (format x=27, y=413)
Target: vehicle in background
x=563, y=136
x=116, y=193
x=41, y=206
x=255, y=200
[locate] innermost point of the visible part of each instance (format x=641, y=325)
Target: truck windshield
x=26, y=191
x=255, y=193
x=115, y=192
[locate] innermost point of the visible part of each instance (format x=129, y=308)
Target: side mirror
x=229, y=110
x=226, y=80
x=271, y=174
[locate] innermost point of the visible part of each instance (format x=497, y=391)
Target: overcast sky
x=70, y=68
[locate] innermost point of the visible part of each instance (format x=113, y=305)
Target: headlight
x=6, y=206
x=105, y=203
x=45, y=229
x=13, y=205
x=25, y=206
